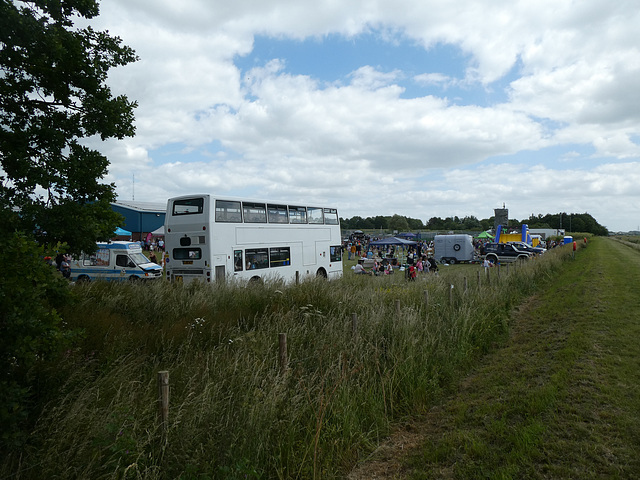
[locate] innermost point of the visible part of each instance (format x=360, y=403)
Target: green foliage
x=574, y=222
x=233, y=413
x=29, y=328
x=54, y=94
x=398, y=223
x=395, y=222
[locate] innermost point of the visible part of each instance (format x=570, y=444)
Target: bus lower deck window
x=280, y=256
x=256, y=258
x=237, y=260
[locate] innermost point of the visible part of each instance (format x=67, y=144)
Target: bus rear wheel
x=321, y=273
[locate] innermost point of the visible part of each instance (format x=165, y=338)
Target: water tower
x=501, y=217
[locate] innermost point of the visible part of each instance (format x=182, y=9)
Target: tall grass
x=233, y=413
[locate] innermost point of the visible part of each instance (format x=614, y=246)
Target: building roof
x=155, y=207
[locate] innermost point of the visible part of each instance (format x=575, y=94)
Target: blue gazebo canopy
x=122, y=232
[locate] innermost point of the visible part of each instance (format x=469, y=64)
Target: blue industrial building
x=140, y=218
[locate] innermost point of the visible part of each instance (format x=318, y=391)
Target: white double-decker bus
x=208, y=237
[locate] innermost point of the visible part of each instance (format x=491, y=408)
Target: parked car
x=504, y=253
x=528, y=248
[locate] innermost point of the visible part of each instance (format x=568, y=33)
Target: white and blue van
x=115, y=261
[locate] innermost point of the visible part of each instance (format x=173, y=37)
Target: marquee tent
x=484, y=235
x=392, y=241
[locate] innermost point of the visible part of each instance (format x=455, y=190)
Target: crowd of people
x=62, y=263
x=386, y=259
x=416, y=259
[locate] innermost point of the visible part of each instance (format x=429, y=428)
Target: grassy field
x=235, y=414
x=560, y=400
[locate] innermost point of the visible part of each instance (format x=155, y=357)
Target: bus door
x=219, y=267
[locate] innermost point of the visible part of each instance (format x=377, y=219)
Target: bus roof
x=248, y=199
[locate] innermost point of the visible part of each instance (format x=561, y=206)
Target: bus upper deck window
x=228, y=211
x=298, y=214
x=277, y=213
x=331, y=216
x=315, y=215
x=254, y=212
x=188, y=206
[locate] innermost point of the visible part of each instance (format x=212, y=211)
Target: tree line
x=570, y=222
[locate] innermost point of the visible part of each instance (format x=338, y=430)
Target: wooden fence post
x=282, y=342
x=426, y=298
x=398, y=308
x=163, y=399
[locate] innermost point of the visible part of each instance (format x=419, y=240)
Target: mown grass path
x=560, y=400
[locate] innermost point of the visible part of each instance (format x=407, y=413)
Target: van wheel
x=255, y=281
x=83, y=279
x=321, y=273
x=134, y=279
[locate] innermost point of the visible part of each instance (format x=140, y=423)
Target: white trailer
x=453, y=248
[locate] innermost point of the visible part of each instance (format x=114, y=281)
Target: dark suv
x=504, y=253
x=528, y=248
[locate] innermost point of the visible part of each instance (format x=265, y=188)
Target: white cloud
x=572, y=70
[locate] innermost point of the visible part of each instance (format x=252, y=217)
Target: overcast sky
x=417, y=107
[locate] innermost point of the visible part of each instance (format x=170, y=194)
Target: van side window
x=98, y=259
x=89, y=260
x=122, y=261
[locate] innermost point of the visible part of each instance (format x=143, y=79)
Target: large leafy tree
x=53, y=94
